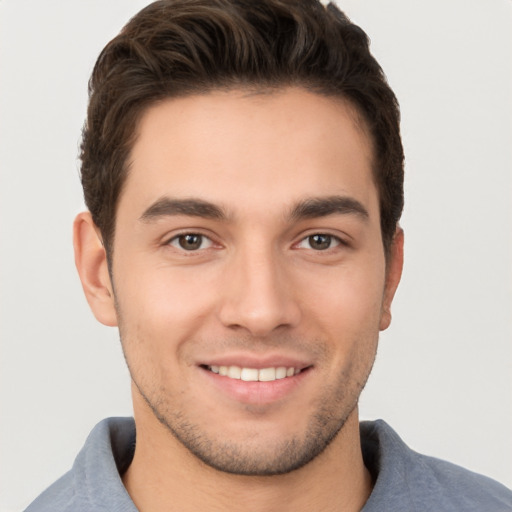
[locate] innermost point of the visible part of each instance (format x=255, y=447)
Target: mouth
x=252, y=382
x=254, y=374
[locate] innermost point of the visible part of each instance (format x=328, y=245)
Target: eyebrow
x=324, y=206
x=309, y=208
x=167, y=206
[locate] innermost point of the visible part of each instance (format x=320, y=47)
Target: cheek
x=346, y=298
x=345, y=309
x=160, y=306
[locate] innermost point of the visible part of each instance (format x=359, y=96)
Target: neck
x=164, y=472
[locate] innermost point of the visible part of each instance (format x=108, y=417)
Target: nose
x=258, y=294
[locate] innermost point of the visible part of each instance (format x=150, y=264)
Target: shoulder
x=94, y=482
x=60, y=496
x=407, y=480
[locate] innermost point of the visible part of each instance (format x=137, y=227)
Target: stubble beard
x=241, y=458
x=337, y=403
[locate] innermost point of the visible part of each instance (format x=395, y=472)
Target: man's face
x=248, y=242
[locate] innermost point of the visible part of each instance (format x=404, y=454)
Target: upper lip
x=256, y=361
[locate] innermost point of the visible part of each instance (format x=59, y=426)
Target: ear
x=91, y=263
x=393, y=274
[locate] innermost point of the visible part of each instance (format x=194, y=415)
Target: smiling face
x=249, y=274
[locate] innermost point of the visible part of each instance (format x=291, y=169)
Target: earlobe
x=91, y=263
x=393, y=275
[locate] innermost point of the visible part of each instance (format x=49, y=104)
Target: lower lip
x=256, y=392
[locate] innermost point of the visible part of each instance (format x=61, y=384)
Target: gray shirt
x=405, y=481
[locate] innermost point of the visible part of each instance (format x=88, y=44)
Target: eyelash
x=178, y=242
x=330, y=240
x=175, y=241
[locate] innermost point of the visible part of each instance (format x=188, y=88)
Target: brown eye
x=191, y=242
x=320, y=242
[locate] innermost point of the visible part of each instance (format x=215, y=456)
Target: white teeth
x=249, y=374
x=280, y=372
x=267, y=374
x=253, y=374
x=234, y=372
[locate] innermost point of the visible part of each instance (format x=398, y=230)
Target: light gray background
x=442, y=377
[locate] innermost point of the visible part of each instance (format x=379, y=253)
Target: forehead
x=243, y=149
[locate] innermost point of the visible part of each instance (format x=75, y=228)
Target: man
x=243, y=170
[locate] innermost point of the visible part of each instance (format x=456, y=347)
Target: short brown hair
x=180, y=47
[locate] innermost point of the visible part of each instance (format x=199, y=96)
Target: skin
x=274, y=169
